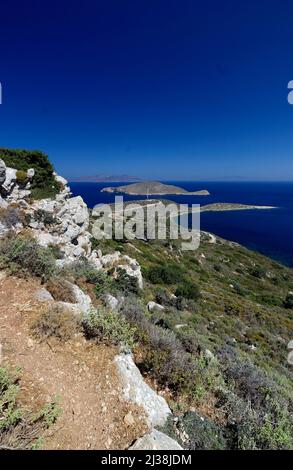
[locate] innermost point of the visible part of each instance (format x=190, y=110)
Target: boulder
x=111, y=302
x=2, y=171
x=135, y=390
x=75, y=209
x=3, y=203
x=30, y=173
x=10, y=180
x=82, y=303
x=155, y=440
x=60, y=179
x=110, y=260
x=43, y=295
x=154, y=306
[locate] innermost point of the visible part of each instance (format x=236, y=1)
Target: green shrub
x=165, y=274
x=250, y=382
x=288, y=302
x=104, y=283
x=44, y=216
x=126, y=284
x=258, y=271
x=203, y=434
x=43, y=184
x=10, y=414
x=20, y=429
x=83, y=269
x=109, y=327
x=21, y=177
x=23, y=256
x=188, y=291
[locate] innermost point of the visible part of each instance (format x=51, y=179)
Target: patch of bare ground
x=79, y=373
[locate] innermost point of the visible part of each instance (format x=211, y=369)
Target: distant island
x=102, y=178
x=154, y=188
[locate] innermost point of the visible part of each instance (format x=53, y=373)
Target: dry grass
x=57, y=322
x=61, y=290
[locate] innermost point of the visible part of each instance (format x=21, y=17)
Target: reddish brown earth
x=79, y=373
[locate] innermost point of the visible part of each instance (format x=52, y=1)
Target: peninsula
x=154, y=188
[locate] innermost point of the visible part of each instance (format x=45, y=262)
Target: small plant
x=20, y=429
x=288, y=302
x=23, y=256
x=49, y=413
x=165, y=274
x=203, y=433
x=84, y=270
x=10, y=414
x=104, y=283
x=44, y=216
x=126, y=284
x=56, y=322
x=258, y=271
x=109, y=327
x=188, y=291
x=21, y=177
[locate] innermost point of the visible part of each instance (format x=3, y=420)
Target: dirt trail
x=79, y=373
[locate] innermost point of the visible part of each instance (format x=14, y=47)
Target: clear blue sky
x=155, y=88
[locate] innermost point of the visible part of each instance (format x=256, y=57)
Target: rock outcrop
x=62, y=222
x=138, y=392
x=155, y=440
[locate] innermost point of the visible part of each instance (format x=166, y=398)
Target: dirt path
x=79, y=373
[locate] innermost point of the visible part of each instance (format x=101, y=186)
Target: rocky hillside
x=168, y=349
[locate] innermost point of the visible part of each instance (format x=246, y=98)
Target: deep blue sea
x=267, y=231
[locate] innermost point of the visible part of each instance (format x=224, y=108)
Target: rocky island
x=152, y=187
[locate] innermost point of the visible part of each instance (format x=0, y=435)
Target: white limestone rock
x=2, y=172
x=43, y=295
x=155, y=440
x=110, y=301
x=154, y=306
x=135, y=389
x=83, y=302
x=60, y=179
x=10, y=180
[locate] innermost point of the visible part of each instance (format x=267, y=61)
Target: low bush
x=255, y=429
x=165, y=274
x=21, y=177
x=60, y=289
x=44, y=216
x=11, y=216
x=10, y=414
x=83, y=269
x=57, y=322
x=202, y=433
x=250, y=382
x=188, y=290
x=126, y=284
x=163, y=297
x=23, y=256
x=104, y=284
x=109, y=327
x=288, y=302
x=258, y=271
